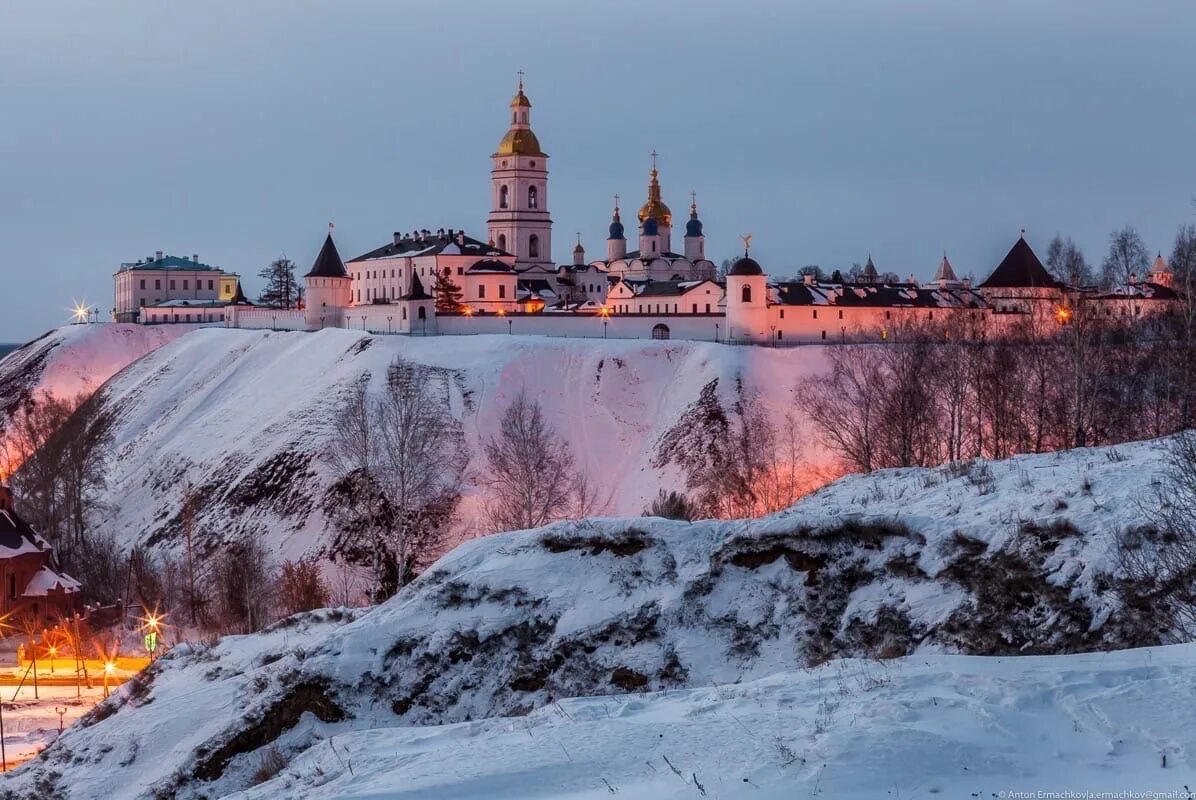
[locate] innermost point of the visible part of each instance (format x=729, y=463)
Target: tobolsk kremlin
x=651, y=278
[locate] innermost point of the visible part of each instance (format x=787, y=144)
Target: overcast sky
x=829, y=129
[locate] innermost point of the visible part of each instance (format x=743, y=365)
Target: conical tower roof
x=870, y=268
x=239, y=299
x=1020, y=269
x=945, y=272
x=328, y=262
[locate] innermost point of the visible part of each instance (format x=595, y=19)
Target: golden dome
x=519, y=142
x=655, y=207
x=520, y=100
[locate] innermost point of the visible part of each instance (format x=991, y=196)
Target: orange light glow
x=1062, y=315
x=109, y=667
x=502, y=312
x=468, y=311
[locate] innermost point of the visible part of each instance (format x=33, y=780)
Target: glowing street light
x=1063, y=315
x=80, y=313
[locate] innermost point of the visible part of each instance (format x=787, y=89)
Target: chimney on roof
x=808, y=279
x=461, y=238
x=157, y=255
x=967, y=283
x=398, y=237
x=195, y=257
x=5, y=499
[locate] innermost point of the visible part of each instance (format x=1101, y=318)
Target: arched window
x=422, y=313
x=503, y=196
x=747, y=294
x=502, y=241
x=660, y=332
x=533, y=197
x=533, y=246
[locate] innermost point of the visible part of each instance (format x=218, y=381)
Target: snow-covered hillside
x=724, y=620
x=244, y=418
x=75, y=359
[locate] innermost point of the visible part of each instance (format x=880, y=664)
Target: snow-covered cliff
x=244, y=417
x=76, y=359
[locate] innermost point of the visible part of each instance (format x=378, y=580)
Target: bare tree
x=423, y=459
x=1158, y=561
x=301, y=587
x=1128, y=257
x=845, y=405
x=1066, y=262
x=530, y=469
x=59, y=447
x=241, y=581
x=354, y=452
x=401, y=457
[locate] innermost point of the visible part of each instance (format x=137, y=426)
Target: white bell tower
x=519, y=222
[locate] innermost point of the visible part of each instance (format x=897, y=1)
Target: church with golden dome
x=519, y=223
x=655, y=258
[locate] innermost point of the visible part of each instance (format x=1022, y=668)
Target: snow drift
x=484, y=649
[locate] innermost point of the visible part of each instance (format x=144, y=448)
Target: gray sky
x=827, y=128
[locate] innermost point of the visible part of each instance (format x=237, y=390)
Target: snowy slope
x=76, y=358
x=721, y=620
x=244, y=418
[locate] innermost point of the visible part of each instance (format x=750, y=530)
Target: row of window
x=504, y=197
x=502, y=291
x=374, y=274
x=533, y=244
x=656, y=308
x=186, y=284
x=187, y=318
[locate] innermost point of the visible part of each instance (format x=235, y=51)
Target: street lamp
x=510, y=329
x=273, y=322
x=716, y=331
x=388, y=325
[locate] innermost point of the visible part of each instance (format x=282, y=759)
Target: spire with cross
x=521, y=73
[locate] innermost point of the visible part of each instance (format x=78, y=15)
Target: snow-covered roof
x=16, y=537
x=46, y=580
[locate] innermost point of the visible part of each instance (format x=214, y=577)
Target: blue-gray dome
x=650, y=227
x=616, y=230
x=745, y=266
x=693, y=227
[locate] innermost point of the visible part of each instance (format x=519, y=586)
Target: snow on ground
x=244, y=417
x=540, y=663
x=919, y=727
x=31, y=723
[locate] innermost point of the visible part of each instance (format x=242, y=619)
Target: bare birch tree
x=401, y=457
x=530, y=469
